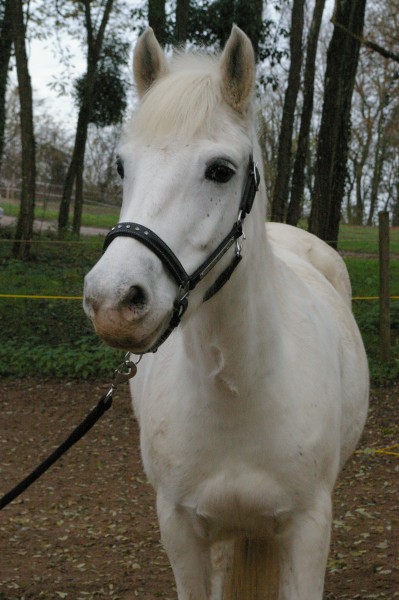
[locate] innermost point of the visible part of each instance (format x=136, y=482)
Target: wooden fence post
x=385, y=319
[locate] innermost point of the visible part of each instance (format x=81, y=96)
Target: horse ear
x=149, y=61
x=237, y=66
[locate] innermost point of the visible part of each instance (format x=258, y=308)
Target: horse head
x=184, y=163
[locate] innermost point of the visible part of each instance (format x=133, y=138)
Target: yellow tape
x=387, y=451
x=41, y=297
x=373, y=298
x=93, y=241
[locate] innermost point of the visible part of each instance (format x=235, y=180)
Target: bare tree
x=248, y=16
x=157, y=19
x=95, y=39
x=298, y=176
x=332, y=149
x=24, y=229
x=378, y=163
x=281, y=189
x=5, y=54
x=182, y=16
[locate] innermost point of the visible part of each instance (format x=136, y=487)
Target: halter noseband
x=185, y=281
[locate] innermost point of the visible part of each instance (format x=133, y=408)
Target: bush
x=82, y=360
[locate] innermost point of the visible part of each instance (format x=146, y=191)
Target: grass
x=92, y=216
x=50, y=338
x=53, y=338
x=365, y=239
x=364, y=275
x=365, y=280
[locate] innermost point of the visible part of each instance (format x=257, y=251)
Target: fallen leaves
x=88, y=530
x=366, y=522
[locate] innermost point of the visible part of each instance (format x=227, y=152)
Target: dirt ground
x=88, y=528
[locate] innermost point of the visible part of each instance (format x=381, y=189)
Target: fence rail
x=49, y=192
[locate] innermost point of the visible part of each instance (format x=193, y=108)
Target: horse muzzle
x=129, y=307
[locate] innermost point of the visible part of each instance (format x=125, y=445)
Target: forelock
x=183, y=103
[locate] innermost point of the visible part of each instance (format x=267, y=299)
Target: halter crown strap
x=251, y=187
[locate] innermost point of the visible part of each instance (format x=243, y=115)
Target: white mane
x=184, y=103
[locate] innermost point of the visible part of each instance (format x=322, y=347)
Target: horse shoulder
x=321, y=271
x=310, y=248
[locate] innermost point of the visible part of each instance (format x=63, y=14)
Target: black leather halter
x=185, y=281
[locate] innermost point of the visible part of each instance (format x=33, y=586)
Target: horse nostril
x=136, y=299
x=135, y=305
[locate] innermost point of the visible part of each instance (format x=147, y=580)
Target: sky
x=44, y=67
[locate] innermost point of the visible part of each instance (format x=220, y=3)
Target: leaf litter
x=88, y=529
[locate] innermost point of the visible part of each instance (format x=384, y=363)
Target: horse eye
x=119, y=167
x=219, y=172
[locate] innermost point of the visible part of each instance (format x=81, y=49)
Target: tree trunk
x=281, y=188
x=182, y=14
x=358, y=167
x=5, y=54
x=24, y=228
x=249, y=16
x=157, y=19
x=379, y=158
x=348, y=194
x=298, y=177
x=94, y=46
x=77, y=213
x=395, y=206
x=77, y=160
x=332, y=150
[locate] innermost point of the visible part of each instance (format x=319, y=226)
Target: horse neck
x=237, y=328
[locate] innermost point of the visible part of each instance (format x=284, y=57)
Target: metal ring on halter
x=256, y=174
x=239, y=244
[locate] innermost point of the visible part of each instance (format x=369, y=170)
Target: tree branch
x=372, y=45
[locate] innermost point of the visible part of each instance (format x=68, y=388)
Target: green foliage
x=85, y=359
x=355, y=238
x=49, y=338
x=110, y=98
x=365, y=280
x=110, y=89
x=211, y=21
x=93, y=216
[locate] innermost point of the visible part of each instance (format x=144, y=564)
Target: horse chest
x=240, y=498
x=227, y=478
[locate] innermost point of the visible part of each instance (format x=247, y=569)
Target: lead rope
x=125, y=371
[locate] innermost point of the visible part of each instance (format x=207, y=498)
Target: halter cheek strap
x=185, y=281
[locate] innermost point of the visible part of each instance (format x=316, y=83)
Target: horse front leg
x=304, y=548
x=189, y=554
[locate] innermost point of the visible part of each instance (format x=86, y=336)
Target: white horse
x=250, y=408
